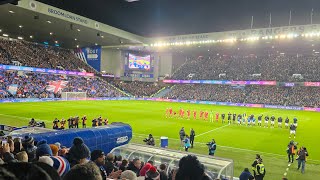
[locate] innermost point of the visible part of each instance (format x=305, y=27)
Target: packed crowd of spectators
x=138, y=89
x=27, y=159
x=38, y=55
x=35, y=85
x=271, y=67
x=273, y=95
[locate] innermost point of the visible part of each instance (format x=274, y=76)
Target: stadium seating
x=36, y=55
x=265, y=67
x=139, y=89
x=290, y=96
x=35, y=85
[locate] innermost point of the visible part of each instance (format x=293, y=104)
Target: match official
x=192, y=135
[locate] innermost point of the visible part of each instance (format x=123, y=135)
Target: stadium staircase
x=162, y=92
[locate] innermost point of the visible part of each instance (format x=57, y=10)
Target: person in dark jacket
x=192, y=135
x=255, y=162
x=109, y=165
x=124, y=165
x=135, y=166
x=246, y=175
x=182, y=135
x=98, y=157
x=29, y=147
x=302, y=156
x=291, y=151
x=163, y=173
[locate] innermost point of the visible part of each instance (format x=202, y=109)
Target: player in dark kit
x=266, y=121
x=234, y=116
x=279, y=122
x=84, y=121
x=293, y=130
x=272, y=121
x=286, y=122
x=259, y=120
x=56, y=123
x=70, y=122
x=76, y=122
x=295, y=121
x=229, y=118
x=223, y=116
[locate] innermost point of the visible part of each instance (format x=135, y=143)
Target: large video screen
x=139, y=62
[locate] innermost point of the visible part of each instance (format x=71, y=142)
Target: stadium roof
x=32, y=22
x=175, y=17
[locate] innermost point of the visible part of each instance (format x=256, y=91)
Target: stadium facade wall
x=170, y=100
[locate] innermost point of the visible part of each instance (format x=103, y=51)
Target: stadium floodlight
x=49, y=22
x=20, y=37
x=5, y=35
x=75, y=39
x=0, y=30
x=20, y=26
x=78, y=30
x=316, y=52
x=51, y=33
x=11, y=12
x=77, y=46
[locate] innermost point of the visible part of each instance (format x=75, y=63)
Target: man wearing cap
x=28, y=146
x=98, y=157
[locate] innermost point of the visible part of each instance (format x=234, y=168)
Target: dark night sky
x=174, y=17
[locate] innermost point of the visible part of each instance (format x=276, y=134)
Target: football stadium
x=148, y=89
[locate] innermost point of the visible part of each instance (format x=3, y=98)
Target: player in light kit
x=293, y=130
x=249, y=121
x=272, y=121
x=211, y=116
x=259, y=120
x=243, y=121
x=286, y=122
x=295, y=121
x=279, y=122
x=266, y=121
x=217, y=117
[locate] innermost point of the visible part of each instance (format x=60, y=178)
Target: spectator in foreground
x=124, y=165
x=109, y=165
x=163, y=173
x=152, y=174
x=129, y=175
x=29, y=147
x=135, y=166
x=78, y=153
x=246, y=175
x=190, y=168
x=98, y=157
x=86, y=171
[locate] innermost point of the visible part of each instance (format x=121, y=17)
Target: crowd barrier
x=168, y=100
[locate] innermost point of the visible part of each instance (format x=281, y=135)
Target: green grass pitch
x=233, y=142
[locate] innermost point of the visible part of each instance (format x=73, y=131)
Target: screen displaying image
x=139, y=62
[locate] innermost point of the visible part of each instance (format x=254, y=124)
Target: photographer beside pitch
x=212, y=147
x=149, y=141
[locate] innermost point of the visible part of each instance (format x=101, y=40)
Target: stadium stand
x=255, y=67
x=138, y=89
x=36, y=85
x=38, y=55
x=290, y=96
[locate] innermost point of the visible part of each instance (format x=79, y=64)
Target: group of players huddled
x=233, y=118
x=73, y=122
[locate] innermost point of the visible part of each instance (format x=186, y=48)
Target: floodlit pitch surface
x=239, y=143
